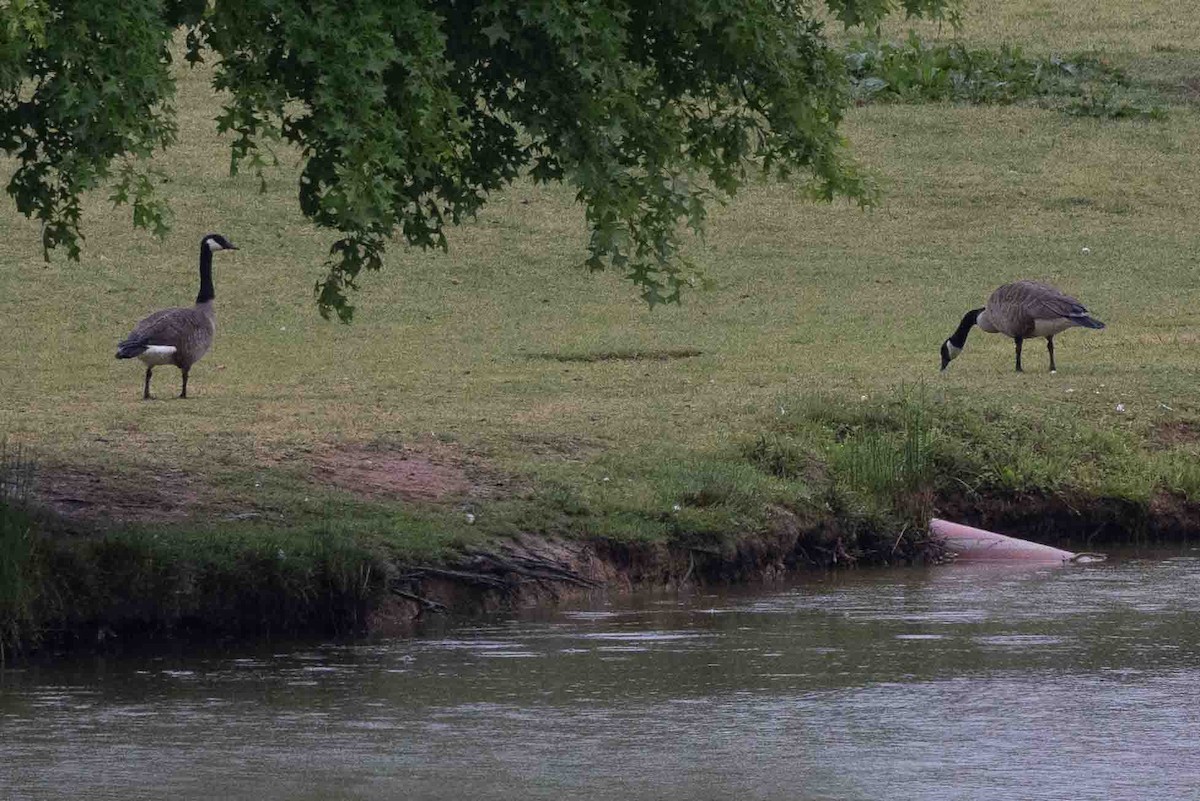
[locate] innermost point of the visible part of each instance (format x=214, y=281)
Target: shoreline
x=107, y=593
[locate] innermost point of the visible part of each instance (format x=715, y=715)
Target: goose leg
x=1019, y=342
x=1050, y=347
x=146, y=388
x=183, y=394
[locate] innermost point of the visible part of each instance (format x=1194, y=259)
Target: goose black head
x=949, y=352
x=215, y=242
x=958, y=340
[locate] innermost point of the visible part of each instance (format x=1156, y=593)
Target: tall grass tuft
x=1180, y=473
x=17, y=581
x=779, y=455
x=885, y=463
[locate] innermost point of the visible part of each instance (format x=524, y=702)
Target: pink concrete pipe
x=975, y=544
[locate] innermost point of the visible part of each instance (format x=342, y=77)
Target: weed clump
x=912, y=72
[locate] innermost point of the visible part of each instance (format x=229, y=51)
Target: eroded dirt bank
x=102, y=574
x=531, y=570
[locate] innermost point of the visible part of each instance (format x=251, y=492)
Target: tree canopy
x=408, y=113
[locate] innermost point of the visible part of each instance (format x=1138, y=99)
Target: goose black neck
x=207, y=292
x=959, y=337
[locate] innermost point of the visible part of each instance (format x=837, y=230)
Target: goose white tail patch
x=1048, y=328
x=158, y=354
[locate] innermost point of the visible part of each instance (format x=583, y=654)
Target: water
x=946, y=683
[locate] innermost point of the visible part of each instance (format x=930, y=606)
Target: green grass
x=806, y=377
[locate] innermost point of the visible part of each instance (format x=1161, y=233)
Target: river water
x=955, y=682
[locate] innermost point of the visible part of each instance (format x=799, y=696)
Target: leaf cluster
x=82, y=85
x=409, y=113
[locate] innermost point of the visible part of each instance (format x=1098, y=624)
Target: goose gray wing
x=161, y=328
x=1044, y=302
x=1048, y=303
x=1022, y=304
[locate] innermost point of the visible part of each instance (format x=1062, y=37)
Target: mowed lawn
x=504, y=344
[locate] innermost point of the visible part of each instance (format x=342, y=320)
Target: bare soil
x=422, y=473
x=1175, y=433
x=1190, y=90
x=429, y=472
x=77, y=494
x=395, y=472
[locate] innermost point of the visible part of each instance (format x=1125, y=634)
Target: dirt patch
x=1189, y=90
x=653, y=355
x=78, y=494
x=1176, y=433
x=569, y=447
x=428, y=473
x=433, y=474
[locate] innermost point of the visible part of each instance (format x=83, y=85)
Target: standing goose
x=179, y=336
x=1021, y=310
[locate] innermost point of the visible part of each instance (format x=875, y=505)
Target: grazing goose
x=178, y=336
x=1021, y=310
